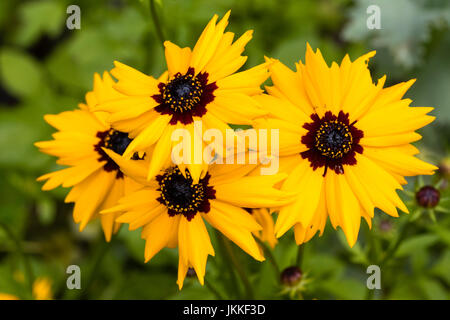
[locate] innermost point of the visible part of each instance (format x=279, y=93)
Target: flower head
x=344, y=141
x=172, y=209
x=42, y=289
x=80, y=143
x=200, y=84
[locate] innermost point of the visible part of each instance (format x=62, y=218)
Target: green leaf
x=345, y=288
x=37, y=18
x=442, y=267
x=416, y=243
x=433, y=289
x=20, y=73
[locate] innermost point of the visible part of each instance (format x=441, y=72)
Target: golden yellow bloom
x=172, y=208
x=42, y=289
x=6, y=296
x=83, y=135
x=200, y=84
x=344, y=141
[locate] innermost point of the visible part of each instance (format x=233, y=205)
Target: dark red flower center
x=332, y=142
x=116, y=141
x=185, y=96
x=181, y=196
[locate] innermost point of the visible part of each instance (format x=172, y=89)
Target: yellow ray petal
x=242, y=237
x=133, y=82
x=96, y=187
x=107, y=220
x=194, y=244
x=350, y=217
x=177, y=58
x=158, y=232
x=254, y=192
x=136, y=169
x=237, y=215
x=148, y=136
x=308, y=184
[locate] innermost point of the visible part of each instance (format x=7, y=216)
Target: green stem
x=269, y=255
x=300, y=253
x=157, y=23
x=213, y=290
x=238, y=267
x=25, y=260
x=99, y=254
x=370, y=294
x=393, y=249
x=231, y=272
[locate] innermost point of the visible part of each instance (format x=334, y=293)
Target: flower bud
x=191, y=273
x=428, y=197
x=385, y=225
x=291, y=276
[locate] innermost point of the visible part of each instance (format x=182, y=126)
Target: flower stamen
x=181, y=196
x=332, y=142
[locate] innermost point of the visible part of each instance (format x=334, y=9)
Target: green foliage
x=46, y=68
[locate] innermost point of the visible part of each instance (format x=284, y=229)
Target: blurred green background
x=46, y=68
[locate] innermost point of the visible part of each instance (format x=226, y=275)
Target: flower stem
x=213, y=290
x=300, y=253
x=233, y=278
x=157, y=23
x=238, y=267
x=269, y=255
x=19, y=248
x=393, y=249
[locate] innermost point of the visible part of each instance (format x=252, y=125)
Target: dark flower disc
x=185, y=96
x=181, y=196
x=116, y=141
x=332, y=142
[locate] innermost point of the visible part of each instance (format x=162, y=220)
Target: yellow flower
x=344, y=141
x=264, y=218
x=200, y=85
x=42, y=289
x=6, y=296
x=96, y=181
x=172, y=208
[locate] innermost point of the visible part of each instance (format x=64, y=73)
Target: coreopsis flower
x=172, y=208
x=42, y=289
x=80, y=143
x=344, y=141
x=200, y=85
x=7, y=296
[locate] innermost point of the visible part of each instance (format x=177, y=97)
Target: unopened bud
x=291, y=276
x=428, y=197
x=385, y=225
